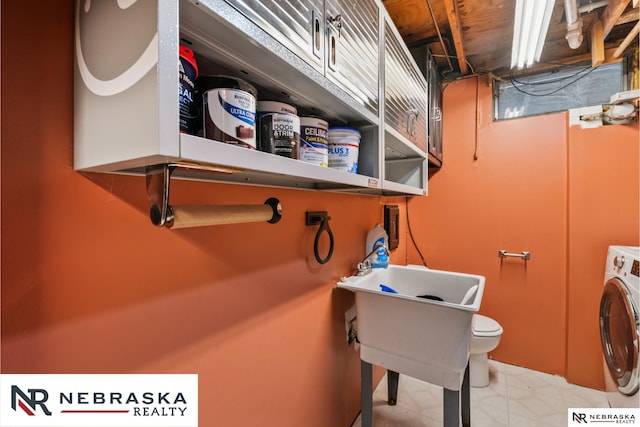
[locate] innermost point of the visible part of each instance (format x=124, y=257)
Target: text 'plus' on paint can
x=344, y=149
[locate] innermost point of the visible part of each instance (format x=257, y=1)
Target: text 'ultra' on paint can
x=279, y=129
x=314, y=145
x=229, y=106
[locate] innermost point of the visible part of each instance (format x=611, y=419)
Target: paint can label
x=280, y=134
x=344, y=149
x=187, y=74
x=230, y=116
x=314, y=145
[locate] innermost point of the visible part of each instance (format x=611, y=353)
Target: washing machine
x=620, y=326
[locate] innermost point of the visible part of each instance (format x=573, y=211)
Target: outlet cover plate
x=392, y=224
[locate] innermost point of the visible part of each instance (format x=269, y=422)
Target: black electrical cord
x=513, y=79
x=413, y=240
x=541, y=82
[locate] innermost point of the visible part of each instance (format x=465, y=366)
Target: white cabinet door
x=297, y=24
x=353, y=56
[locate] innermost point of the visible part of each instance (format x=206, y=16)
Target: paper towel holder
x=162, y=214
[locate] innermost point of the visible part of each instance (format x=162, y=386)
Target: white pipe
x=590, y=7
x=574, y=24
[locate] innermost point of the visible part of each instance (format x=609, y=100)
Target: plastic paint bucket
x=278, y=129
x=229, y=109
x=314, y=143
x=187, y=75
x=344, y=147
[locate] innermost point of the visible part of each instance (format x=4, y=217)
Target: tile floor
x=515, y=397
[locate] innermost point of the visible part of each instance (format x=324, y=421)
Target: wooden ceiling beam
x=582, y=59
x=612, y=13
x=597, y=44
x=633, y=35
x=630, y=16
x=456, y=31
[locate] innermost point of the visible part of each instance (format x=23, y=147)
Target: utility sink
x=410, y=332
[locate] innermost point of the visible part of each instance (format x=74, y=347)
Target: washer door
x=619, y=335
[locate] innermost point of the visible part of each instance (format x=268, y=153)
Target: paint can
x=314, y=145
x=344, y=148
x=187, y=75
x=279, y=129
x=229, y=110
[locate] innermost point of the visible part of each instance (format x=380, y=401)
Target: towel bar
x=525, y=255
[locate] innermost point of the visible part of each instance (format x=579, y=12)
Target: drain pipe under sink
x=574, y=24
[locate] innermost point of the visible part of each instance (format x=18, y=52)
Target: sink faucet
x=364, y=267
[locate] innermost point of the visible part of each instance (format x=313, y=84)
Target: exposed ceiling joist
x=479, y=33
x=611, y=14
x=576, y=60
x=633, y=34
x=597, y=44
x=629, y=16
x=456, y=32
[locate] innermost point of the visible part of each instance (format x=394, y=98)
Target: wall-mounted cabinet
x=405, y=114
x=127, y=102
x=435, y=112
x=427, y=65
x=337, y=37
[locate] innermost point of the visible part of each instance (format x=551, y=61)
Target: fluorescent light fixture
x=529, y=30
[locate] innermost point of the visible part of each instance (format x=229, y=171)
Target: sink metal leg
x=392, y=387
x=366, y=393
x=457, y=403
x=451, y=408
x=466, y=399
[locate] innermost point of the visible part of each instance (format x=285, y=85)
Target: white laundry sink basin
x=422, y=338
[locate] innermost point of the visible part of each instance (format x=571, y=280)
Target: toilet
x=486, y=336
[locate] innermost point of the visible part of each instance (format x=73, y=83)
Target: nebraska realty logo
x=98, y=400
x=603, y=416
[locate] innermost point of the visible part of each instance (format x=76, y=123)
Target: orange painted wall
x=603, y=210
x=587, y=199
x=90, y=286
x=502, y=186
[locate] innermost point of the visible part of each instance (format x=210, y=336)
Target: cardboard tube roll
x=199, y=216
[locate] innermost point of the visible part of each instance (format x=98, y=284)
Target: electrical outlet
x=392, y=224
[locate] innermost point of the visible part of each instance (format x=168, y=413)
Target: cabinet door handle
x=332, y=60
x=334, y=24
x=316, y=32
x=437, y=114
x=412, y=116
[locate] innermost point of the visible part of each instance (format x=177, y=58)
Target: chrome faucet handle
x=363, y=267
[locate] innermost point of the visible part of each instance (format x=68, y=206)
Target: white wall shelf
x=123, y=126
